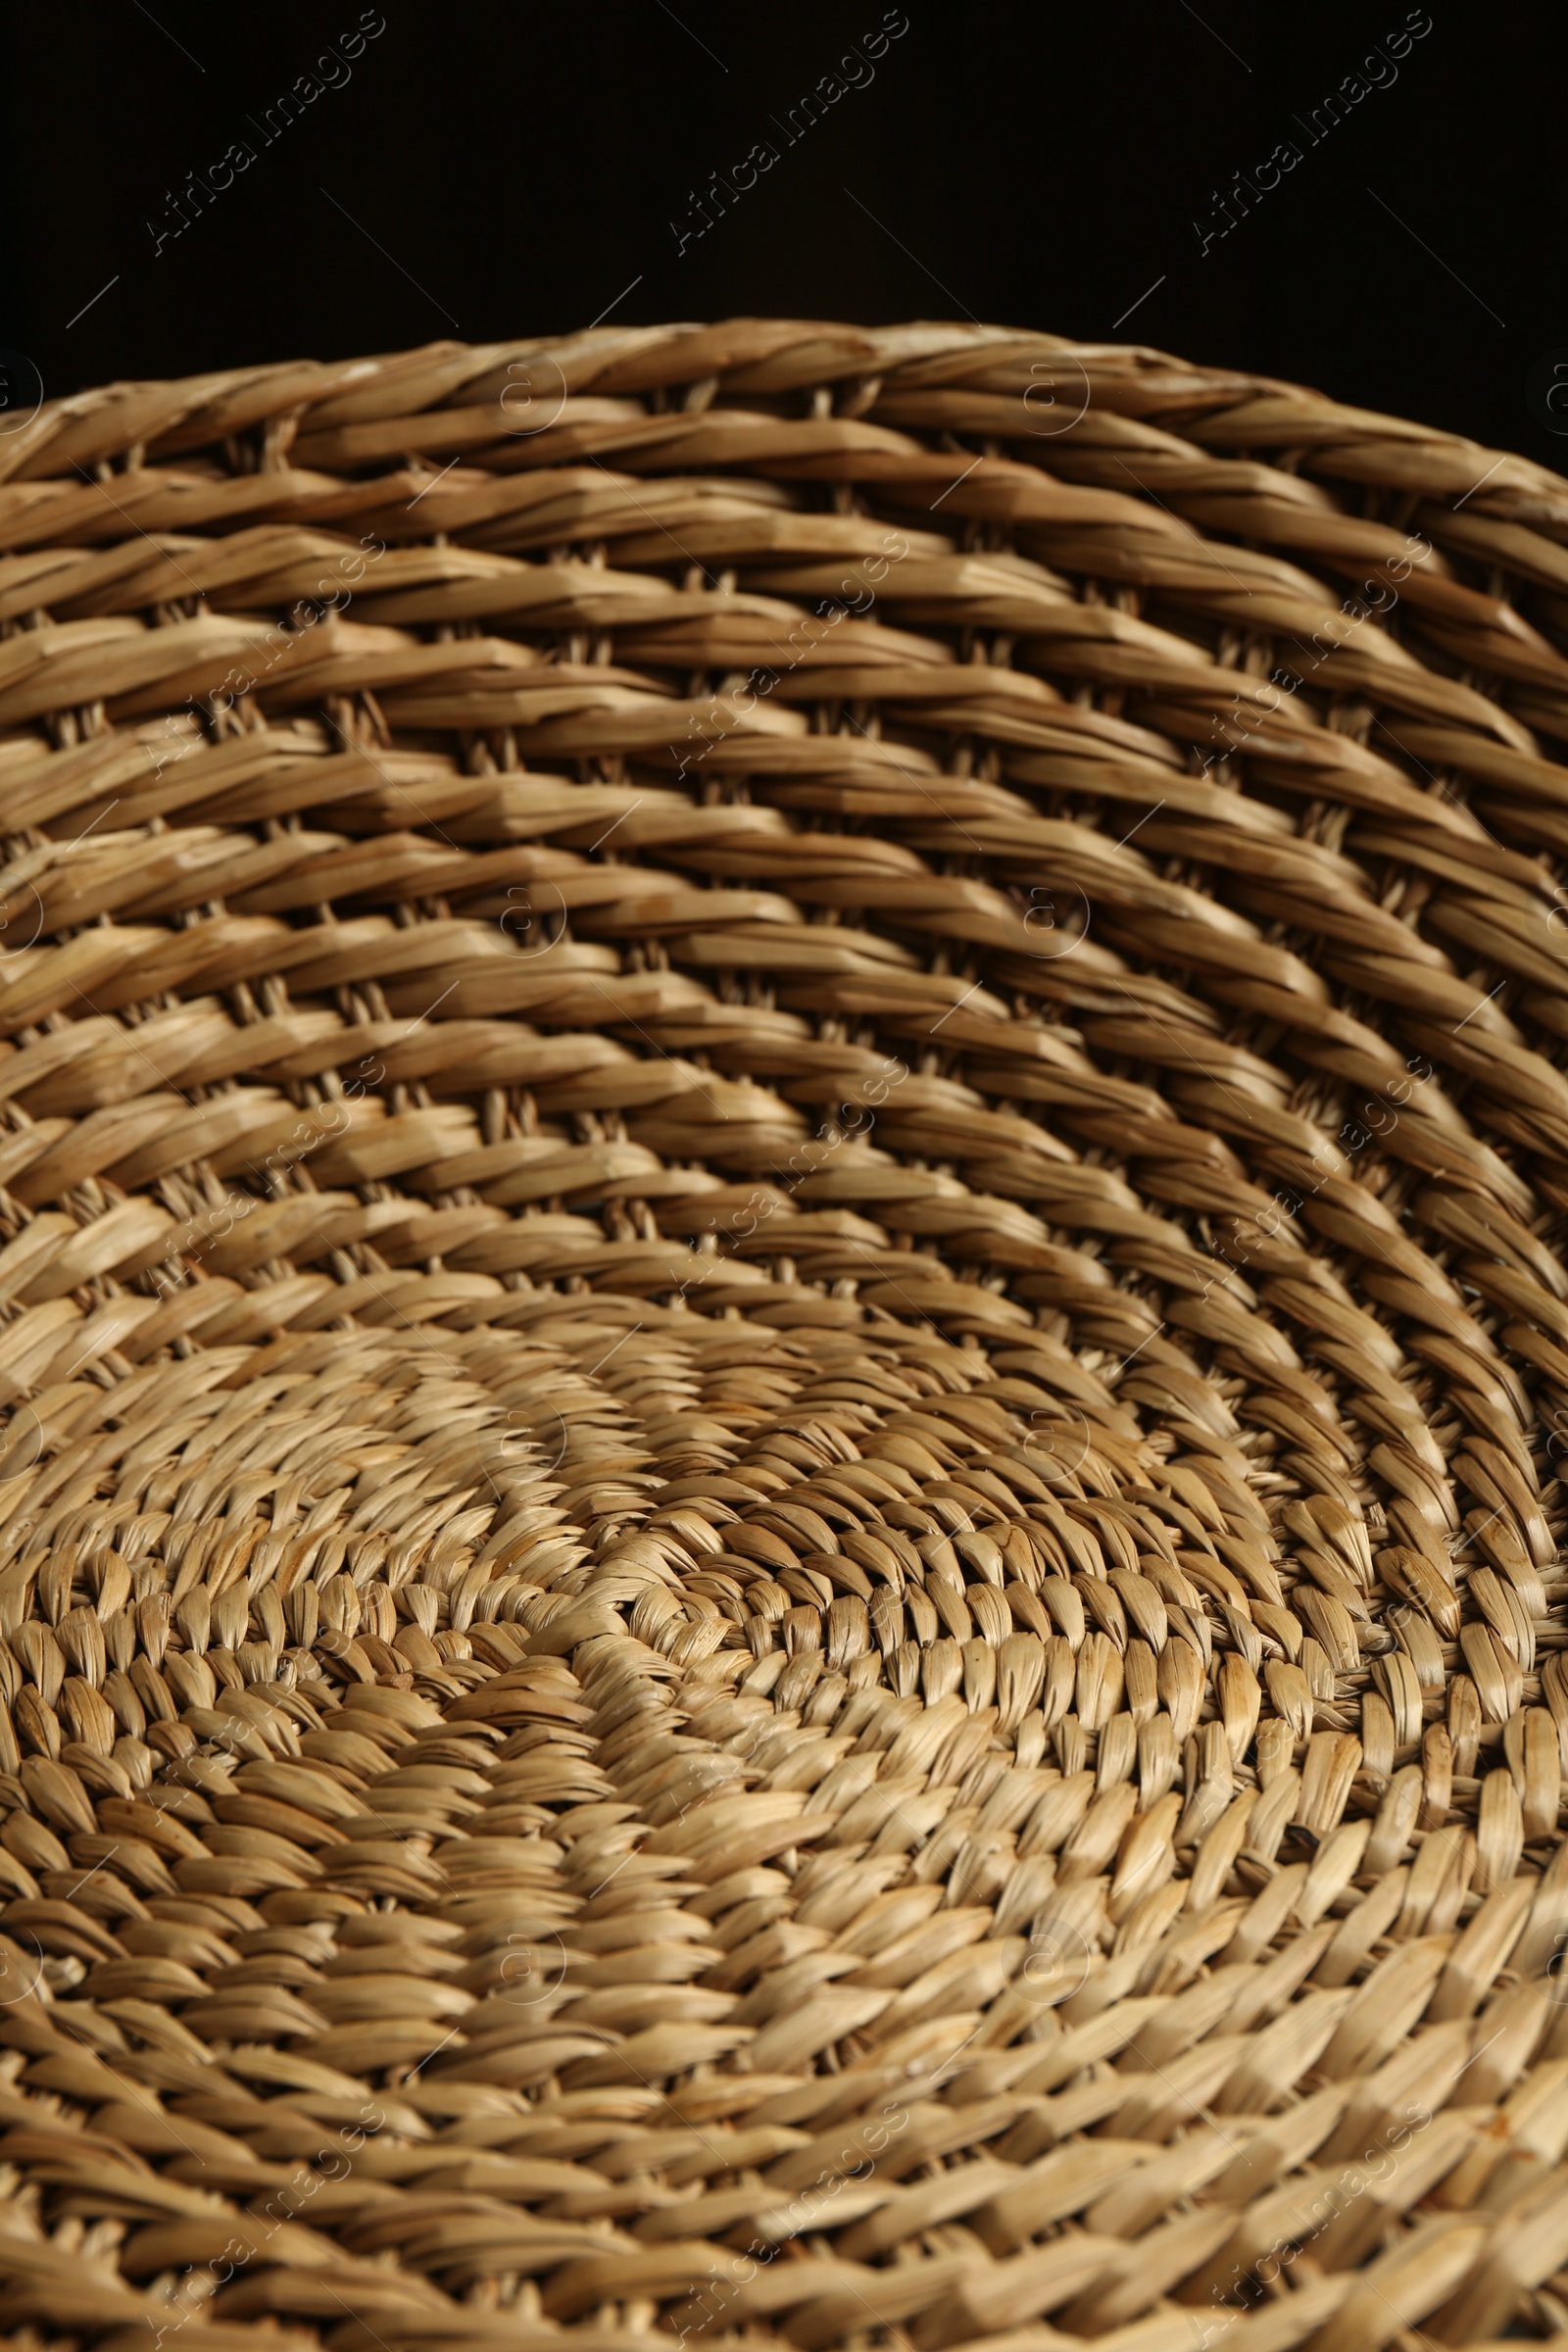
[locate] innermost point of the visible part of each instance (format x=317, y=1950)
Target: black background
x=496, y=171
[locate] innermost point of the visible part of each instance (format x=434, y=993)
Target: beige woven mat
x=782, y=1150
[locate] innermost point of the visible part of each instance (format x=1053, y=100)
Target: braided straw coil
x=783, y=1136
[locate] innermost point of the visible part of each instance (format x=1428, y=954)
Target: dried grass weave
x=784, y=1143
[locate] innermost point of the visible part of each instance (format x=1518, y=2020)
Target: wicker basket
x=784, y=1138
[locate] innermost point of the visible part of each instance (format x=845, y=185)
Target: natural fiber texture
x=784, y=1148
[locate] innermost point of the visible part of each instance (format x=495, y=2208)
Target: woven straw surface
x=783, y=1135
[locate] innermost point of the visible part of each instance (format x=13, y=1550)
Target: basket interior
x=782, y=1158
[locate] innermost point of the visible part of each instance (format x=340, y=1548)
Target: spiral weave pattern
x=783, y=1353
